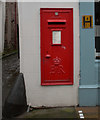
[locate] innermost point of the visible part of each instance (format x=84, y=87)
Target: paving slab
x=65, y=112
x=90, y=112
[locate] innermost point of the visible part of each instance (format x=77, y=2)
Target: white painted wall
x=29, y=25
x=2, y=25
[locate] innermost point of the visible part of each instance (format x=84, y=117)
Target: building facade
x=57, y=53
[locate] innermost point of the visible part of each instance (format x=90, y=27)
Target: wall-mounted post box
x=50, y=52
x=56, y=46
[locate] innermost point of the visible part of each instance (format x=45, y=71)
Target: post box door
x=56, y=30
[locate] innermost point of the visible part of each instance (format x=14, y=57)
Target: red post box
x=56, y=46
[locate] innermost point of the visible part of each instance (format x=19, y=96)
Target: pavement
x=90, y=112
x=10, y=70
x=63, y=112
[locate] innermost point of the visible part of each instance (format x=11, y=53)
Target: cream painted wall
x=29, y=25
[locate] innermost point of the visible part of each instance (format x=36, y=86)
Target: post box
x=56, y=46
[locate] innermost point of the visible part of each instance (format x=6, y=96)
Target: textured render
x=37, y=95
x=89, y=79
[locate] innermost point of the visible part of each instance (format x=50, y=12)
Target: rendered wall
x=29, y=28
x=88, y=89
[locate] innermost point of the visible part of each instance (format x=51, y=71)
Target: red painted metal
x=57, y=67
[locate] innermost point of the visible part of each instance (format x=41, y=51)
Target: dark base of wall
x=16, y=102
